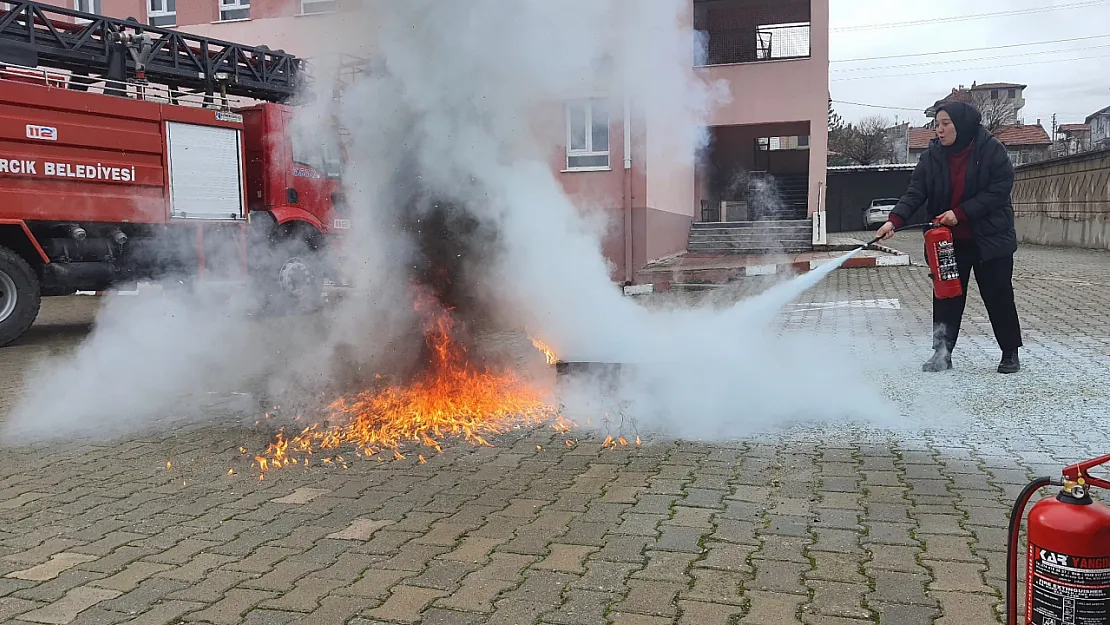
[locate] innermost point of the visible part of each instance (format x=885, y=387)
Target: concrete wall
x=1065, y=201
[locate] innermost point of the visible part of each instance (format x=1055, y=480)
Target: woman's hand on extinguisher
x=886, y=231
x=948, y=219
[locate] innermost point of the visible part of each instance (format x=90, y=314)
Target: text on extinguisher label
x=1068, y=590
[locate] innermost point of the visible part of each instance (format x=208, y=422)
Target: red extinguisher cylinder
x=940, y=254
x=1067, y=564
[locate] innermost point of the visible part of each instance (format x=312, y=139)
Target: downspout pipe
x=628, y=234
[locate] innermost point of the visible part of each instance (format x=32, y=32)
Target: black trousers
x=995, y=280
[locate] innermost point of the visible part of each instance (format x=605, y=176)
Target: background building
x=1073, y=139
x=767, y=156
x=1099, y=122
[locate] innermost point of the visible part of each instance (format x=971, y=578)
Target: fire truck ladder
x=125, y=51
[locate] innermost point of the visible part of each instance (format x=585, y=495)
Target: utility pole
x=1056, y=148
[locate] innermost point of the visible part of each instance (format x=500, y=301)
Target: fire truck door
x=205, y=172
x=314, y=166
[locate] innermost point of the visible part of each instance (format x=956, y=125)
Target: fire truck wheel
x=296, y=281
x=19, y=296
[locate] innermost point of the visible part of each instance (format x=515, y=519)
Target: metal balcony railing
x=751, y=31
x=755, y=44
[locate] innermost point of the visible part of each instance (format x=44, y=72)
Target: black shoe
x=941, y=361
x=1010, y=363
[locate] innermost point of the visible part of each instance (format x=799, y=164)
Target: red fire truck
x=127, y=154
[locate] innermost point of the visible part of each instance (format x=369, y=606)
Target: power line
x=964, y=18
x=970, y=69
x=1012, y=45
x=982, y=58
x=879, y=106
x=921, y=110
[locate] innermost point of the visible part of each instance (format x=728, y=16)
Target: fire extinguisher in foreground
x=941, y=256
x=1067, y=566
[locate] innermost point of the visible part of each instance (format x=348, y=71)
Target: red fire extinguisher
x=1067, y=565
x=941, y=256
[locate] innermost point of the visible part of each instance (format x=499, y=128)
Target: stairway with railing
x=772, y=218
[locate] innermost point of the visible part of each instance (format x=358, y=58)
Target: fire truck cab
x=123, y=158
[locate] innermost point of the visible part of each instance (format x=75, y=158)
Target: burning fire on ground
x=451, y=397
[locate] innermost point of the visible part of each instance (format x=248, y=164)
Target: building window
x=235, y=10
x=161, y=13
x=587, y=135
x=994, y=94
x=1013, y=93
x=312, y=7
x=778, y=144
x=87, y=6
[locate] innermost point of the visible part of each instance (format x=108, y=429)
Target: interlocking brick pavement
x=819, y=525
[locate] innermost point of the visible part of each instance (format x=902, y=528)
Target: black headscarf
x=967, y=119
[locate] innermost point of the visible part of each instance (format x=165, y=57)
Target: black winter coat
x=986, y=201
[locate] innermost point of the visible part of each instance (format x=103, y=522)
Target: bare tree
x=866, y=142
x=996, y=112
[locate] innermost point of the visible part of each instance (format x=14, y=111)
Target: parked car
x=876, y=214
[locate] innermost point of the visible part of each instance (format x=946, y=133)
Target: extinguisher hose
x=924, y=226
x=1016, y=515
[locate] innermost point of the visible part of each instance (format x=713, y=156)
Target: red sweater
x=957, y=167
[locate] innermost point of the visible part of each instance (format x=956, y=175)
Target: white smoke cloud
x=454, y=105
x=469, y=78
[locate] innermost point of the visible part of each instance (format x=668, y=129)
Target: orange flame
x=451, y=398
x=548, y=352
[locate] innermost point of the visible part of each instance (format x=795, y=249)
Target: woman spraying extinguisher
x=964, y=181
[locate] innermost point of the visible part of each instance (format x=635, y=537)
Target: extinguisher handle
x=1081, y=470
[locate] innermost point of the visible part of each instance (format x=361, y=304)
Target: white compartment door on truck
x=205, y=171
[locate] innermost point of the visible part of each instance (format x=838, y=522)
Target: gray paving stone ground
x=831, y=525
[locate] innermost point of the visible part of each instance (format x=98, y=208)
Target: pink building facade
x=773, y=55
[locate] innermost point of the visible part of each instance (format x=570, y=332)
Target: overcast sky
x=1060, y=80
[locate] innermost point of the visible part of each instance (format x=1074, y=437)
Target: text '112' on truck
x=122, y=159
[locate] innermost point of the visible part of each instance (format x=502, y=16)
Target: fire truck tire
x=20, y=296
x=294, y=280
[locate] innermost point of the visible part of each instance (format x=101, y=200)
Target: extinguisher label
x=946, y=259
x=1068, y=590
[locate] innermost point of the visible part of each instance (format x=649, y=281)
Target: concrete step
x=751, y=237
x=740, y=248
x=724, y=235
x=720, y=232
x=768, y=223
x=754, y=242
x=717, y=232
x=754, y=236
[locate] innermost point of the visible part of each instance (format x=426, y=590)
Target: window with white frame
x=235, y=10
x=87, y=6
x=312, y=7
x=162, y=13
x=587, y=134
